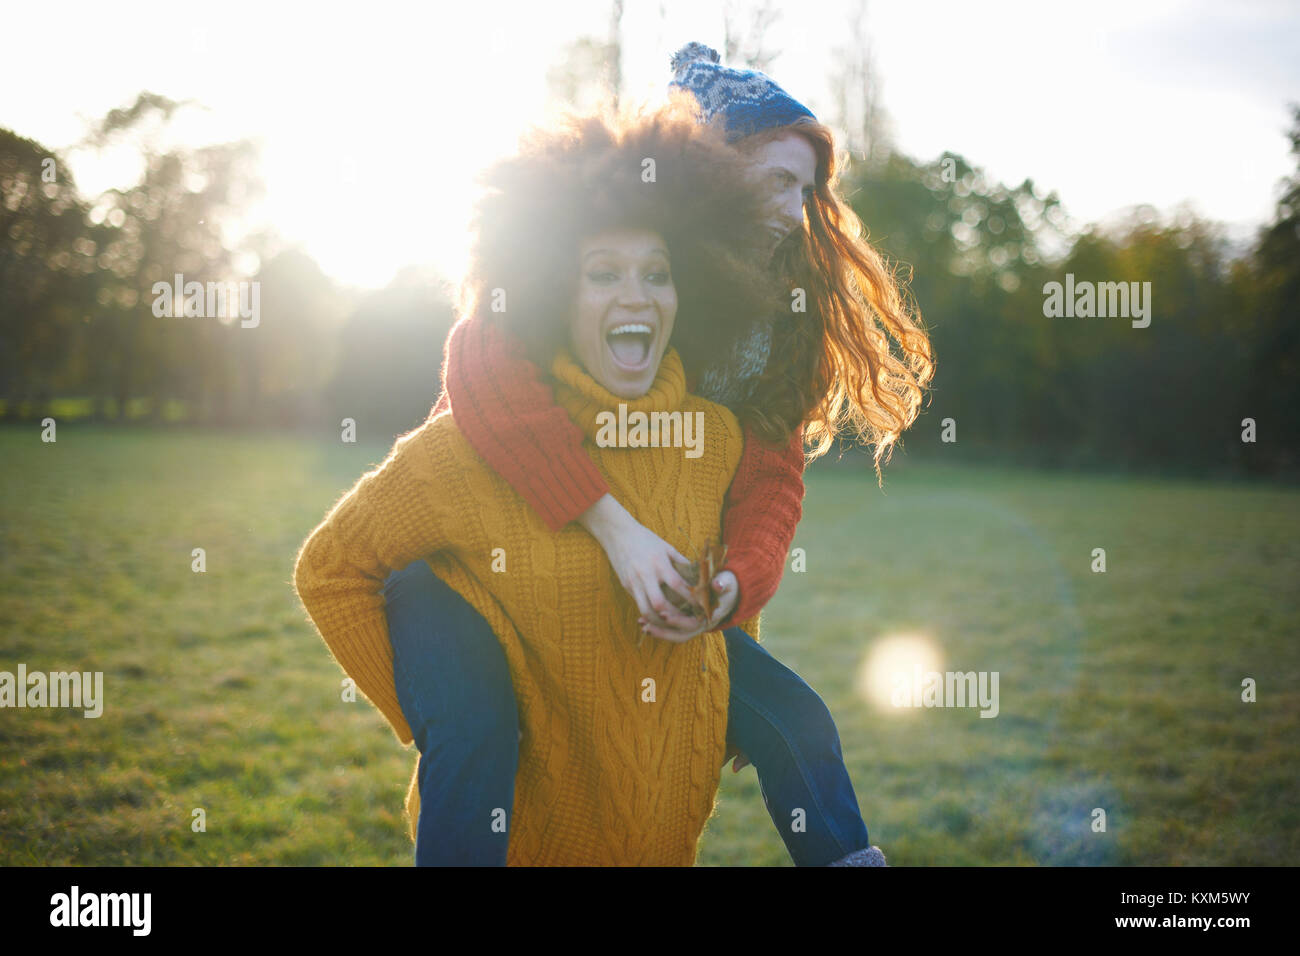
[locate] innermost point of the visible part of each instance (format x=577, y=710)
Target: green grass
x=1118, y=690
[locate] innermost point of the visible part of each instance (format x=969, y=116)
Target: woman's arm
x=393, y=515
x=508, y=414
x=763, y=508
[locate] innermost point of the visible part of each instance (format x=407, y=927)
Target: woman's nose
x=792, y=212
x=633, y=293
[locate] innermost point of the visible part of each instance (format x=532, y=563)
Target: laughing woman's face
x=787, y=169
x=625, y=308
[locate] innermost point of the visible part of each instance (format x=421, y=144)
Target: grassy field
x=1120, y=691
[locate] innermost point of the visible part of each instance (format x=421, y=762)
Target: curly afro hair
x=655, y=169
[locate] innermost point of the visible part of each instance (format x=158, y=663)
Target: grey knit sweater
x=731, y=379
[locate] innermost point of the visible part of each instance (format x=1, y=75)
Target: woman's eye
x=660, y=278
x=601, y=276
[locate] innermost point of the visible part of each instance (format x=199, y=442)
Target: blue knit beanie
x=749, y=101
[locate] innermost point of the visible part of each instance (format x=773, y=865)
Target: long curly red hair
x=832, y=369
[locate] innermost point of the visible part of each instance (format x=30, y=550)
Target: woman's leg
x=780, y=724
x=455, y=690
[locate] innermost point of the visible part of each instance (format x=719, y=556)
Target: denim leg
x=454, y=687
x=784, y=728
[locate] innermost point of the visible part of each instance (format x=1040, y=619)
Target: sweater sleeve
x=761, y=511
x=509, y=415
x=392, y=516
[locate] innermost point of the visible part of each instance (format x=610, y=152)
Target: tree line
x=79, y=335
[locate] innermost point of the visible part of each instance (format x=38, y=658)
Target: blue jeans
x=455, y=691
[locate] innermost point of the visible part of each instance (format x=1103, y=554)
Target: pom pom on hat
x=693, y=53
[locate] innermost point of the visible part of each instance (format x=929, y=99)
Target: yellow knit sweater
x=622, y=745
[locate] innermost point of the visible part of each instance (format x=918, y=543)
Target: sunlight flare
x=892, y=659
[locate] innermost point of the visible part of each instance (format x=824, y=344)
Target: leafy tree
x=47, y=264
x=176, y=220
x=1267, y=287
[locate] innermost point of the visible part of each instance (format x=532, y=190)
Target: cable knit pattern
x=605, y=777
x=509, y=415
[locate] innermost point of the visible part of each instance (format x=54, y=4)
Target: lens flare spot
x=889, y=666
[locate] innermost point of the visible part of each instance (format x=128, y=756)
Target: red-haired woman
x=794, y=379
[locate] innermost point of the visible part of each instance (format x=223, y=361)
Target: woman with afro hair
x=786, y=378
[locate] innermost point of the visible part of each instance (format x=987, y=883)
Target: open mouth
x=630, y=345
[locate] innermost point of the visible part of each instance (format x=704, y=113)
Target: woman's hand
x=727, y=589
x=643, y=562
x=739, y=763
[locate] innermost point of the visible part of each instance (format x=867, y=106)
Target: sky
x=373, y=119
